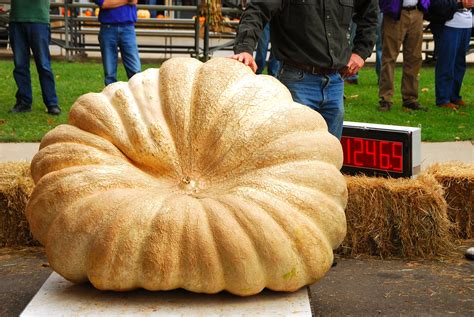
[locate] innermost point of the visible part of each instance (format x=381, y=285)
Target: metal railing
x=70, y=30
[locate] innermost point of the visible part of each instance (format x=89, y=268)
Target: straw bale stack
x=16, y=186
x=396, y=218
x=385, y=217
x=457, y=179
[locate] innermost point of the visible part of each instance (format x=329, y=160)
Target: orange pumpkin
x=143, y=14
x=68, y=12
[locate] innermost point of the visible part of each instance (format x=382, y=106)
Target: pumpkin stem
x=189, y=184
x=186, y=180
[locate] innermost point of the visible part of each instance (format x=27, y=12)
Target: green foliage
x=76, y=79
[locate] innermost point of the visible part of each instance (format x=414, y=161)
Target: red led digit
x=348, y=143
x=371, y=153
x=397, y=155
x=346, y=150
x=359, y=154
x=384, y=158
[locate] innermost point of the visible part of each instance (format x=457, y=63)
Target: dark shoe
x=459, y=102
x=54, y=110
x=449, y=105
x=414, y=105
x=20, y=107
x=385, y=106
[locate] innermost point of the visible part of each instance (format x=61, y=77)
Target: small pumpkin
x=199, y=176
x=143, y=14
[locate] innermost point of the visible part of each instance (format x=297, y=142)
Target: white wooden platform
x=58, y=297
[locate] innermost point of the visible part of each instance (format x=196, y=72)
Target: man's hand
x=468, y=4
x=247, y=59
x=354, y=65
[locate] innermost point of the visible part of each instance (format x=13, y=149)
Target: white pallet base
x=59, y=297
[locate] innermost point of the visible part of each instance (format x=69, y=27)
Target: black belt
x=316, y=70
x=409, y=8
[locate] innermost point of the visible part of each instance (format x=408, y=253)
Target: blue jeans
x=323, y=93
x=261, y=54
x=34, y=36
x=113, y=37
x=378, y=46
x=451, y=47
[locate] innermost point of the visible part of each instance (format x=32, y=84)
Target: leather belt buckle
x=314, y=70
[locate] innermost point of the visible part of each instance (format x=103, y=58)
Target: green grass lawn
x=75, y=79
x=437, y=124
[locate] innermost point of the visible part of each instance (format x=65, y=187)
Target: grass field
x=75, y=79
x=437, y=124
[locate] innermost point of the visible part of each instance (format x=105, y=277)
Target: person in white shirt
x=451, y=23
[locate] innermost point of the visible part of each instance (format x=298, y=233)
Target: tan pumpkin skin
x=197, y=176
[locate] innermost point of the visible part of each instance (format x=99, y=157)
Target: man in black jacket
x=441, y=11
x=311, y=39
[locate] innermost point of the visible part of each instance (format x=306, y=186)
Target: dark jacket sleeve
x=254, y=18
x=441, y=11
x=365, y=17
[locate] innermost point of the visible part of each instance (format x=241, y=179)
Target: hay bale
x=16, y=186
x=457, y=179
x=396, y=218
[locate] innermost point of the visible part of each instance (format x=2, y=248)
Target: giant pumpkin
x=199, y=176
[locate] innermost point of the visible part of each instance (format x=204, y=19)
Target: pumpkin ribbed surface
x=202, y=176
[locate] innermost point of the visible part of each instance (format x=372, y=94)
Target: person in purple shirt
x=117, y=31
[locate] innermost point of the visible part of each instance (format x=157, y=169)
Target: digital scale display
x=380, y=150
x=374, y=154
